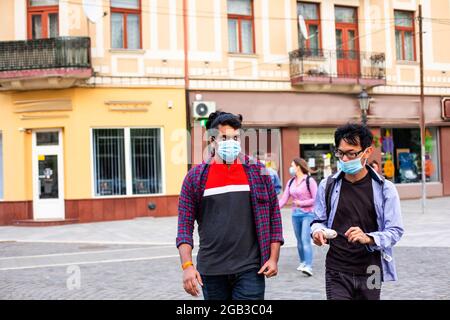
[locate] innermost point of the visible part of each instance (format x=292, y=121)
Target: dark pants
x=349, y=286
x=247, y=285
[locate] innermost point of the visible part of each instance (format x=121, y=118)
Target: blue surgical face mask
x=229, y=150
x=351, y=166
x=292, y=171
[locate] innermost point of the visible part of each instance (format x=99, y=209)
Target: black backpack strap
x=307, y=183
x=328, y=192
x=291, y=181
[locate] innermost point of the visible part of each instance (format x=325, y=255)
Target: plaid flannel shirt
x=264, y=203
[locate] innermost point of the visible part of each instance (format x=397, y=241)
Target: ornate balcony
x=52, y=63
x=326, y=67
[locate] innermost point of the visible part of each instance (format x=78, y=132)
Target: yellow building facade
x=75, y=149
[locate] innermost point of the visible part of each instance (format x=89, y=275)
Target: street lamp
x=364, y=101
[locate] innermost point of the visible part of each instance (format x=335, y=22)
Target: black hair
x=354, y=134
x=223, y=118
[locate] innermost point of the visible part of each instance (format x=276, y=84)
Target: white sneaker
x=308, y=271
x=301, y=266
x=329, y=233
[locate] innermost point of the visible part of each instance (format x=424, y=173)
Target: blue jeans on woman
x=301, y=221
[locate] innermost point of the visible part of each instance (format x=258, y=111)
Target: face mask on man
x=228, y=150
x=352, y=166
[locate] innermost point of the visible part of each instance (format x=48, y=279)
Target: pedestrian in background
x=271, y=172
x=302, y=188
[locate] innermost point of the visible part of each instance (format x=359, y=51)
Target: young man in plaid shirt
x=233, y=200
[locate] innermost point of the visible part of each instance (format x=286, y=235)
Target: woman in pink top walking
x=302, y=188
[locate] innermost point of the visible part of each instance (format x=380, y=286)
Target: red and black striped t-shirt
x=228, y=242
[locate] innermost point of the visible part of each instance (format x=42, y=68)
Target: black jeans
x=349, y=286
x=247, y=285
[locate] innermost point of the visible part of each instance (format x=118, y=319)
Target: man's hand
x=319, y=238
x=269, y=269
x=355, y=234
x=190, y=279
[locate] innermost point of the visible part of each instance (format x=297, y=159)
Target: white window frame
x=128, y=170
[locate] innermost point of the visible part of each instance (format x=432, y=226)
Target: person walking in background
x=271, y=172
x=302, y=188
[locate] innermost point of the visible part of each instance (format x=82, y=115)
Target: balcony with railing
x=338, y=67
x=44, y=63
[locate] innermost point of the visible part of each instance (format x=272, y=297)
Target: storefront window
x=112, y=158
x=317, y=148
x=264, y=144
x=401, y=156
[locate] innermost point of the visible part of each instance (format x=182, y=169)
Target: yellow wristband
x=186, y=265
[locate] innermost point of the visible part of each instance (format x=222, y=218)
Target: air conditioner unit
x=202, y=109
x=446, y=109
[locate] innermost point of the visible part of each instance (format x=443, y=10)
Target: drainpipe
x=186, y=81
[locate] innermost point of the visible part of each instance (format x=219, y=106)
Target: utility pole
x=422, y=112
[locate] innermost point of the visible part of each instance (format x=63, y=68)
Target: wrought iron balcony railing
x=62, y=52
x=339, y=66
x=24, y=62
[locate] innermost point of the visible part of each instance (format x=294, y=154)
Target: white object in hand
x=329, y=233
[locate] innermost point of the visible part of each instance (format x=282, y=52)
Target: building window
x=116, y=150
x=405, y=35
x=146, y=161
x=109, y=162
x=401, y=155
x=43, y=19
x=126, y=24
x=345, y=15
x=1, y=166
x=240, y=26
x=311, y=15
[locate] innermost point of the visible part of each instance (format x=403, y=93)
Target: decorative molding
x=267, y=56
x=64, y=18
x=288, y=24
x=368, y=25
x=47, y=116
x=24, y=106
x=128, y=105
x=411, y=90
x=20, y=19
x=139, y=59
x=388, y=31
x=153, y=25
x=405, y=5
x=242, y=84
x=134, y=81
x=128, y=102
x=429, y=63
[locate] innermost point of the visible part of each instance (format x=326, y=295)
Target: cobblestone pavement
x=137, y=259
x=40, y=271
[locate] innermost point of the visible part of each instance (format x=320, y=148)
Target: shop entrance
x=320, y=158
